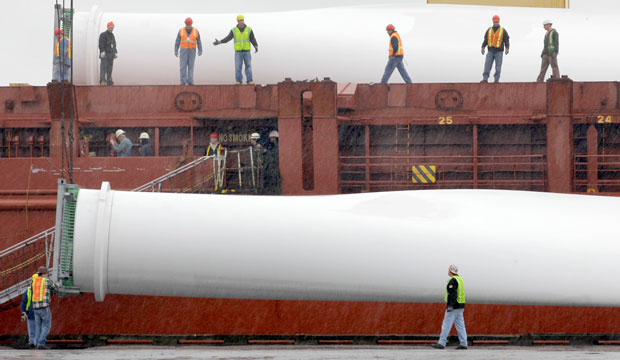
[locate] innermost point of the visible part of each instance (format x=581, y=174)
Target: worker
x=122, y=145
x=257, y=153
x=549, y=55
x=62, y=56
x=145, y=147
x=271, y=165
x=214, y=148
x=28, y=314
x=496, y=39
x=42, y=288
x=395, y=58
x=455, y=306
x=107, y=54
x=243, y=36
x=188, y=39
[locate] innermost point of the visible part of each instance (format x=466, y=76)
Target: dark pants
x=105, y=73
x=546, y=61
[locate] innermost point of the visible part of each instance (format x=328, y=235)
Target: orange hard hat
x=496, y=18
x=215, y=135
x=390, y=27
x=188, y=21
x=110, y=24
x=58, y=31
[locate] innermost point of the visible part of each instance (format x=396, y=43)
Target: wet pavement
x=315, y=352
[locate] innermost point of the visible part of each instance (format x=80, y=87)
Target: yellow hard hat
x=34, y=277
x=240, y=17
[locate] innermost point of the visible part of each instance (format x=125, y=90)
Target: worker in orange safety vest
x=62, y=56
x=188, y=39
x=395, y=56
x=496, y=39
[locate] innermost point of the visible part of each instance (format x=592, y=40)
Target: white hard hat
x=547, y=22
x=144, y=135
x=273, y=134
x=255, y=136
x=454, y=269
x=119, y=132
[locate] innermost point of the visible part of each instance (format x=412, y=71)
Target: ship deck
x=318, y=352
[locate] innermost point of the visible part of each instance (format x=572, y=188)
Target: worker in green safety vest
x=455, y=306
x=243, y=36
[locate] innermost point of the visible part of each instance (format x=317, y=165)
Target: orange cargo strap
x=495, y=38
x=38, y=287
x=400, y=51
x=188, y=42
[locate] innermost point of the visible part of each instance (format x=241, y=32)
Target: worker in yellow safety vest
x=28, y=314
x=496, y=39
x=62, y=56
x=41, y=300
x=395, y=56
x=188, y=39
x=214, y=148
x=455, y=306
x=243, y=36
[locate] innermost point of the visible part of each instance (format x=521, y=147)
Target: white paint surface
x=512, y=247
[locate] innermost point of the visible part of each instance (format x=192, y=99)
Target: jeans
x=453, y=317
x=395, y=62
x=43, y=323
x=105, y=71
x=64, y=76
x=243, y=56
x=187, y=58
x=32, y=336
x=498, y=57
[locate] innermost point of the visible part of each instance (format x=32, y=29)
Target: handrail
x=151, y=184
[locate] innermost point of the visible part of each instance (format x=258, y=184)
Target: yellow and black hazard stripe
x=424, y=174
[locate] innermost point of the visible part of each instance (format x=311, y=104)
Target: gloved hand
x=24, y=316
x=200, y=53
x=115, y=55
x=255, y=49
x=216, y=42
x=507, y=51
x=176, y=54
x=102, y=55
x=450, y=308
x=482, y=51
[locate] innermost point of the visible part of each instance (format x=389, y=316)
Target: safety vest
x=460, y=297
x=188, y=42
x=38, y=289
x=57, y=52
x=242, y=39
x=218, y=148
x=550, y=46
x=29, y=296
x=495, y=38
x=400, y=51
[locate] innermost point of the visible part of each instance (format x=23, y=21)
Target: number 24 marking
x=602, y=119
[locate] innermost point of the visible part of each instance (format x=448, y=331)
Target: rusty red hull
x=558, y=136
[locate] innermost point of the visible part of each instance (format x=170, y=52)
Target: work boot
x=461, y=347
x=496, y=81
x=438, y=346
x=484, y=81
x=43, y=347
x=251, y=83
x=237, y=83
x=103, y=83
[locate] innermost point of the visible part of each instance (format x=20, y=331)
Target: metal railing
x=20, y=261
x=157, y=185
x=383, y=173
x=597, y=173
